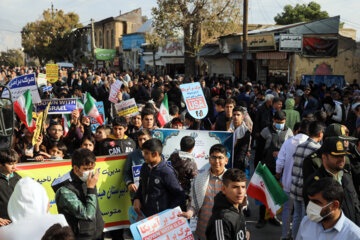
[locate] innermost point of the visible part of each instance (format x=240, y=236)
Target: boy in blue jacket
x=159, y=188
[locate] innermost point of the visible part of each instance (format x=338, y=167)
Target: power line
x=263, y=13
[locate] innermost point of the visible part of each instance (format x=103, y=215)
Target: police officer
x=313, y=161
x=333, y=152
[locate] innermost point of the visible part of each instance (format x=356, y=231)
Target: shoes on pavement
x=261, y=223
x=274, y=221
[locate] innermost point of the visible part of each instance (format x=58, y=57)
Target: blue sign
x=204, y=140
x=57, y=106
x=329, y=80
x=19, y=85
x=94, y=123
x=195, y=101
x=47, y=88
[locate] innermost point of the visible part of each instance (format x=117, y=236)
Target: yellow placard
x=52, y=72
x=37, y=131
x=128, y=111
x=114, y=199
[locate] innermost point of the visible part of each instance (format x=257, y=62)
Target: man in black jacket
x=8, y=180
x=333, y=161
x=76, y=197
x=227, y=220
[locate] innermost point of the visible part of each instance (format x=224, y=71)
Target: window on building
x=100, y=40
x=124, y=28
x=112, y=39
x=107, y=40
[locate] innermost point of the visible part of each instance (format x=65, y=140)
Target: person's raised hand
x=92, y=179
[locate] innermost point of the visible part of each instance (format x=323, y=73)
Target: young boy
x=8, y=180
x=159, y=188
x=76, y=196
x=118, y=142
x=227, y=220
x=184, y=164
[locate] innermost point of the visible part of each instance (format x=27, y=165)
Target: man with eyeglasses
x=205, y=187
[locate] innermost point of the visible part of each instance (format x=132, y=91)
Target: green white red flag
x=66, y=118
x=163, y=115
x=23, y=108
x=264, y=187
x=91, y=109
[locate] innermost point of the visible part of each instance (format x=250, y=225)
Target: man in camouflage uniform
x=184, y=164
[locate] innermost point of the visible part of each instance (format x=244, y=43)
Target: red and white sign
x=166, y=226
x=194, y=99
x=115, y=88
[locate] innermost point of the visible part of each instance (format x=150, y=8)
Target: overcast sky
x=14, y=14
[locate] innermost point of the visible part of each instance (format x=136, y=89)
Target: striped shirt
x=214, y=186
x=302, y=151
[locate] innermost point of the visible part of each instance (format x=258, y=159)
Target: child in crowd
x=8, y=180
x=159, y=188
x=227, y=220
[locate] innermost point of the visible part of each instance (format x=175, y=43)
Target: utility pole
x=93, y=42
x=245, y=39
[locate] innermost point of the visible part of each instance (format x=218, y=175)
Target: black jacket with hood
x=226, y=222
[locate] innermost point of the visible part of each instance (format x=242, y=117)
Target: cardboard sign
x=115, y=88
x=134, y=217
x=41, y=80
x=127, y=108
x=19, y=85
x=195, y=100
x=164, y=225
x=57, y=106
x=114, y=199
x=136, y=174
x=52, y=72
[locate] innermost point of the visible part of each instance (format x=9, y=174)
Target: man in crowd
x=76, y=196
x=333, y=161
x=204, y=188
x=304, y=149
x=223, y=121
x=325, y=218
x=184, y=164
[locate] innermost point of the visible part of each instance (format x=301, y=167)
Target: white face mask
x=313, y=211
x=85, y=176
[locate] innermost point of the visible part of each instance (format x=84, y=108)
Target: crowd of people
x=307, y=135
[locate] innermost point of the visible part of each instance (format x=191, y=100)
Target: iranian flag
x=264, y=187
x=24, y=109
x=91, y=110
x=66, y=118
x=163, y=115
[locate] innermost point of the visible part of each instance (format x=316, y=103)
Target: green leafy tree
x=197, y=21
x=12, y=58
x=300, y=13
x=50, y=38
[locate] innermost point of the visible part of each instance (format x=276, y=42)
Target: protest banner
x=136, y=174
x=204, y=140
x=194, y=99
x=41, y=80
x=127, y=108
x=115, y=88
x=19, y=85
x=134, y=216
x=114, y=199
x=52, y=72
x=57, y=106
x=164, y=225
x=94, y=122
